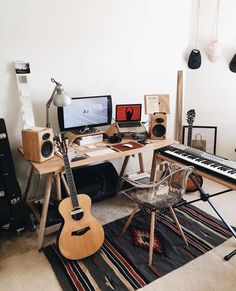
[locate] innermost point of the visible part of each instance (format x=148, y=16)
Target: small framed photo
x=22, y=68
x=156, y=103
x=200, y=137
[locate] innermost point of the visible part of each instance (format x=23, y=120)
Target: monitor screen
x=85, y=112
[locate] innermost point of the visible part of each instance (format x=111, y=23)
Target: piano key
x=203, y=160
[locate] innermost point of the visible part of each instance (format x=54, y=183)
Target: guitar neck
x=70, y=181
x=189, y=139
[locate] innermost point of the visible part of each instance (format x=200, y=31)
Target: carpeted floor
x=23, y=268
x=121, y=263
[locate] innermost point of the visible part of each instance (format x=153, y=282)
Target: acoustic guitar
x=81, y=234
x=191, y=187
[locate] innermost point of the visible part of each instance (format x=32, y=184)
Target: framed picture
x=203, y=138
x=22, y=68
x=156, y=103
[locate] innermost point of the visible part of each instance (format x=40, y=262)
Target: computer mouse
x=127, y=145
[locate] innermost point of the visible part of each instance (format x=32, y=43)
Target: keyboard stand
x=207, y=198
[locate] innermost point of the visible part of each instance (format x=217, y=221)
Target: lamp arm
x=51, y=98
x=48, y=104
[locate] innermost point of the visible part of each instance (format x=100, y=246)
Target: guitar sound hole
x=77, y=216
x=77, y=213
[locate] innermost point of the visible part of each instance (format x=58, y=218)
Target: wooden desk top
x=56, y=164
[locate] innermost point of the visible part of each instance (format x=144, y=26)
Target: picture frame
x=156, y=103
x=22, y=68
x=203, y=138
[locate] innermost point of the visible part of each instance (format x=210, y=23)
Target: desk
x=54, y=167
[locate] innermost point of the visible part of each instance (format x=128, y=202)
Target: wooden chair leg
x=151, y=244
x=135, y=209
x=178, y=225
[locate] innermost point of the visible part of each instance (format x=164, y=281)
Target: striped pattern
x=121, y=264
x=206, y=221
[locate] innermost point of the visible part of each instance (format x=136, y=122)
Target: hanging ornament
x=214, y=49
x=195, y=59
x=232, y=65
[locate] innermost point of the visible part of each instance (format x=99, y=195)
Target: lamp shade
x=61, y=99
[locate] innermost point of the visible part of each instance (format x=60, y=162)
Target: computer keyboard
x=132, y=129
x=100, y=152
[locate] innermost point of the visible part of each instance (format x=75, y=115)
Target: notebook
x=128, y=118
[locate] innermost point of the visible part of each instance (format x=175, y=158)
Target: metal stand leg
x=221, y=217
x=206, y=197
x=230, y=255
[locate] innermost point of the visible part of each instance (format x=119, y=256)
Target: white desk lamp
x=59, y=99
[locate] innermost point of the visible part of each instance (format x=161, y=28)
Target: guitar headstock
x=190, y=116
x=61, y=143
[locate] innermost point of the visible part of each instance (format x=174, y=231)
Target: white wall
x=125, y=48
x=211, y=90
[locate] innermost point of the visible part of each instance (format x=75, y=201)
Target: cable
x=217, y=19
x=198, y=10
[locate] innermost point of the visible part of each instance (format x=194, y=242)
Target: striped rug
x=121, y=263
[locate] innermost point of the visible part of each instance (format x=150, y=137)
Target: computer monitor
x=85, y=113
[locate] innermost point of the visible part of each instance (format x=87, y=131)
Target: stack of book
x=89, y=139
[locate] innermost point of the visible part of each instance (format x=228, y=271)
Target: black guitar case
x=13, y=213
x=98, y=181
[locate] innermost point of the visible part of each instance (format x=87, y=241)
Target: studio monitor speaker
x=157, y=127
x=38, y=144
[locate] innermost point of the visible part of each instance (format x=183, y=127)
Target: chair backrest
x=159, y=194
x=175, y=178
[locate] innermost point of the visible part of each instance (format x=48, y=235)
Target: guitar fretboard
x=70, y=181
x=189, y=139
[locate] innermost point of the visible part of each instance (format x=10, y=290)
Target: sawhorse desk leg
x=141, y=164
x=43, y=219
x=126, y=160
x=124, y=165
x=58, y=186
x=26, y=193
x=155, y=160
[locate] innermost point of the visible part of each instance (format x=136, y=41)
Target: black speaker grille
x=46, y=149
x=158, y=130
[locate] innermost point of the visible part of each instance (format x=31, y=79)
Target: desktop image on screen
x=85, y=113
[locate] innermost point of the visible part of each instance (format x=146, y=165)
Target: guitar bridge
x=80, y=231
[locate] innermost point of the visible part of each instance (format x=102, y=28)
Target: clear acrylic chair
x=158, y=196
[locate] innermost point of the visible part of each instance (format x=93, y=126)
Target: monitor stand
x=73, y=135
x=87, y=130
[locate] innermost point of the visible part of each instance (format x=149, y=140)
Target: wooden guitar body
x=80, y=237
x=191, y=187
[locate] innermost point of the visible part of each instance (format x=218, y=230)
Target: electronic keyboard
x=206, y=162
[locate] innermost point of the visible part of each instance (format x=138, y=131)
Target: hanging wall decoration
x=195, y=59
x=214, y=49
x=232, y=65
